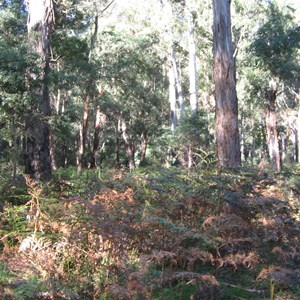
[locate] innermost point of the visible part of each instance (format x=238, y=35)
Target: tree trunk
x=52, y=151
x=100, y=121
x=40, y=20
x=192, y=60
x=177, y=82
x=227, y=134
x=118, y=129
x=284, y=154
x=97, y=128
x=56, y=100
x=242, y=139
x=172, y=92
x=144, y=146
x=271, y=126
x=83, y=134
x=130, y=148
x=15, y=150
x=82, y=160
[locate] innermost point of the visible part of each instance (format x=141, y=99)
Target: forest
x=149, y=149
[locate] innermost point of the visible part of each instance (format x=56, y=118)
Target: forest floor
x=151, y=234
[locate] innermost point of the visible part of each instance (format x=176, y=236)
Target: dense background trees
x=88, y=84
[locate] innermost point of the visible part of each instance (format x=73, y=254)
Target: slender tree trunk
x=192, y=60
x=172, y=92
x=15, y=149
x=144, y=146
x=82, y=161
x=227, y=134
x=57, y=105
x=64, y=158
x=271, y=126
x=284, y=139
x=99, y=120
x=243, y=156
x=130, y=148
x=52, y=151
x=253, y=148
x=97, y=128
x=118, y=129
x=83, y=134
x=253, y=144
x=193, y=144
x=40, y=21
x=177, y=82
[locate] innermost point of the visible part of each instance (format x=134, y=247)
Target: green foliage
x=27, y=289
x=179, y=292
x=13, y=191
x=277, y=43
x=5, y=275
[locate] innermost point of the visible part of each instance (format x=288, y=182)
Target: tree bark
x=144, y=146
x=52, y=151
x=39, y=24
x=99, y=120
x=15, y=150
x=271, y=126
x=172, y=92
x=177, y=82
x=192, y=60
x=227, y=134
x=118, y=130
x=82, y=161
x=130, y=148
x=83, y=134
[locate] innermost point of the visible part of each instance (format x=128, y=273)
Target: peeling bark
x=227, y=134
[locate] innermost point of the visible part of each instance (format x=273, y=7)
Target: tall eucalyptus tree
x=227, y=133
x=193, y=91
x=39, y=25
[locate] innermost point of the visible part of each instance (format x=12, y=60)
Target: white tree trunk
x=172, y=92
x=192, y=60
x=130, y=149
x=271, y=126
x=177, y=82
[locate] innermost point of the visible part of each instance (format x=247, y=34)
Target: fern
x=5, y=275
x=167, y=224
x=27, y=289
x=34, y=243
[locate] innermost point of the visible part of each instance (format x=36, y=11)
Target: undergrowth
x=151, y=234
